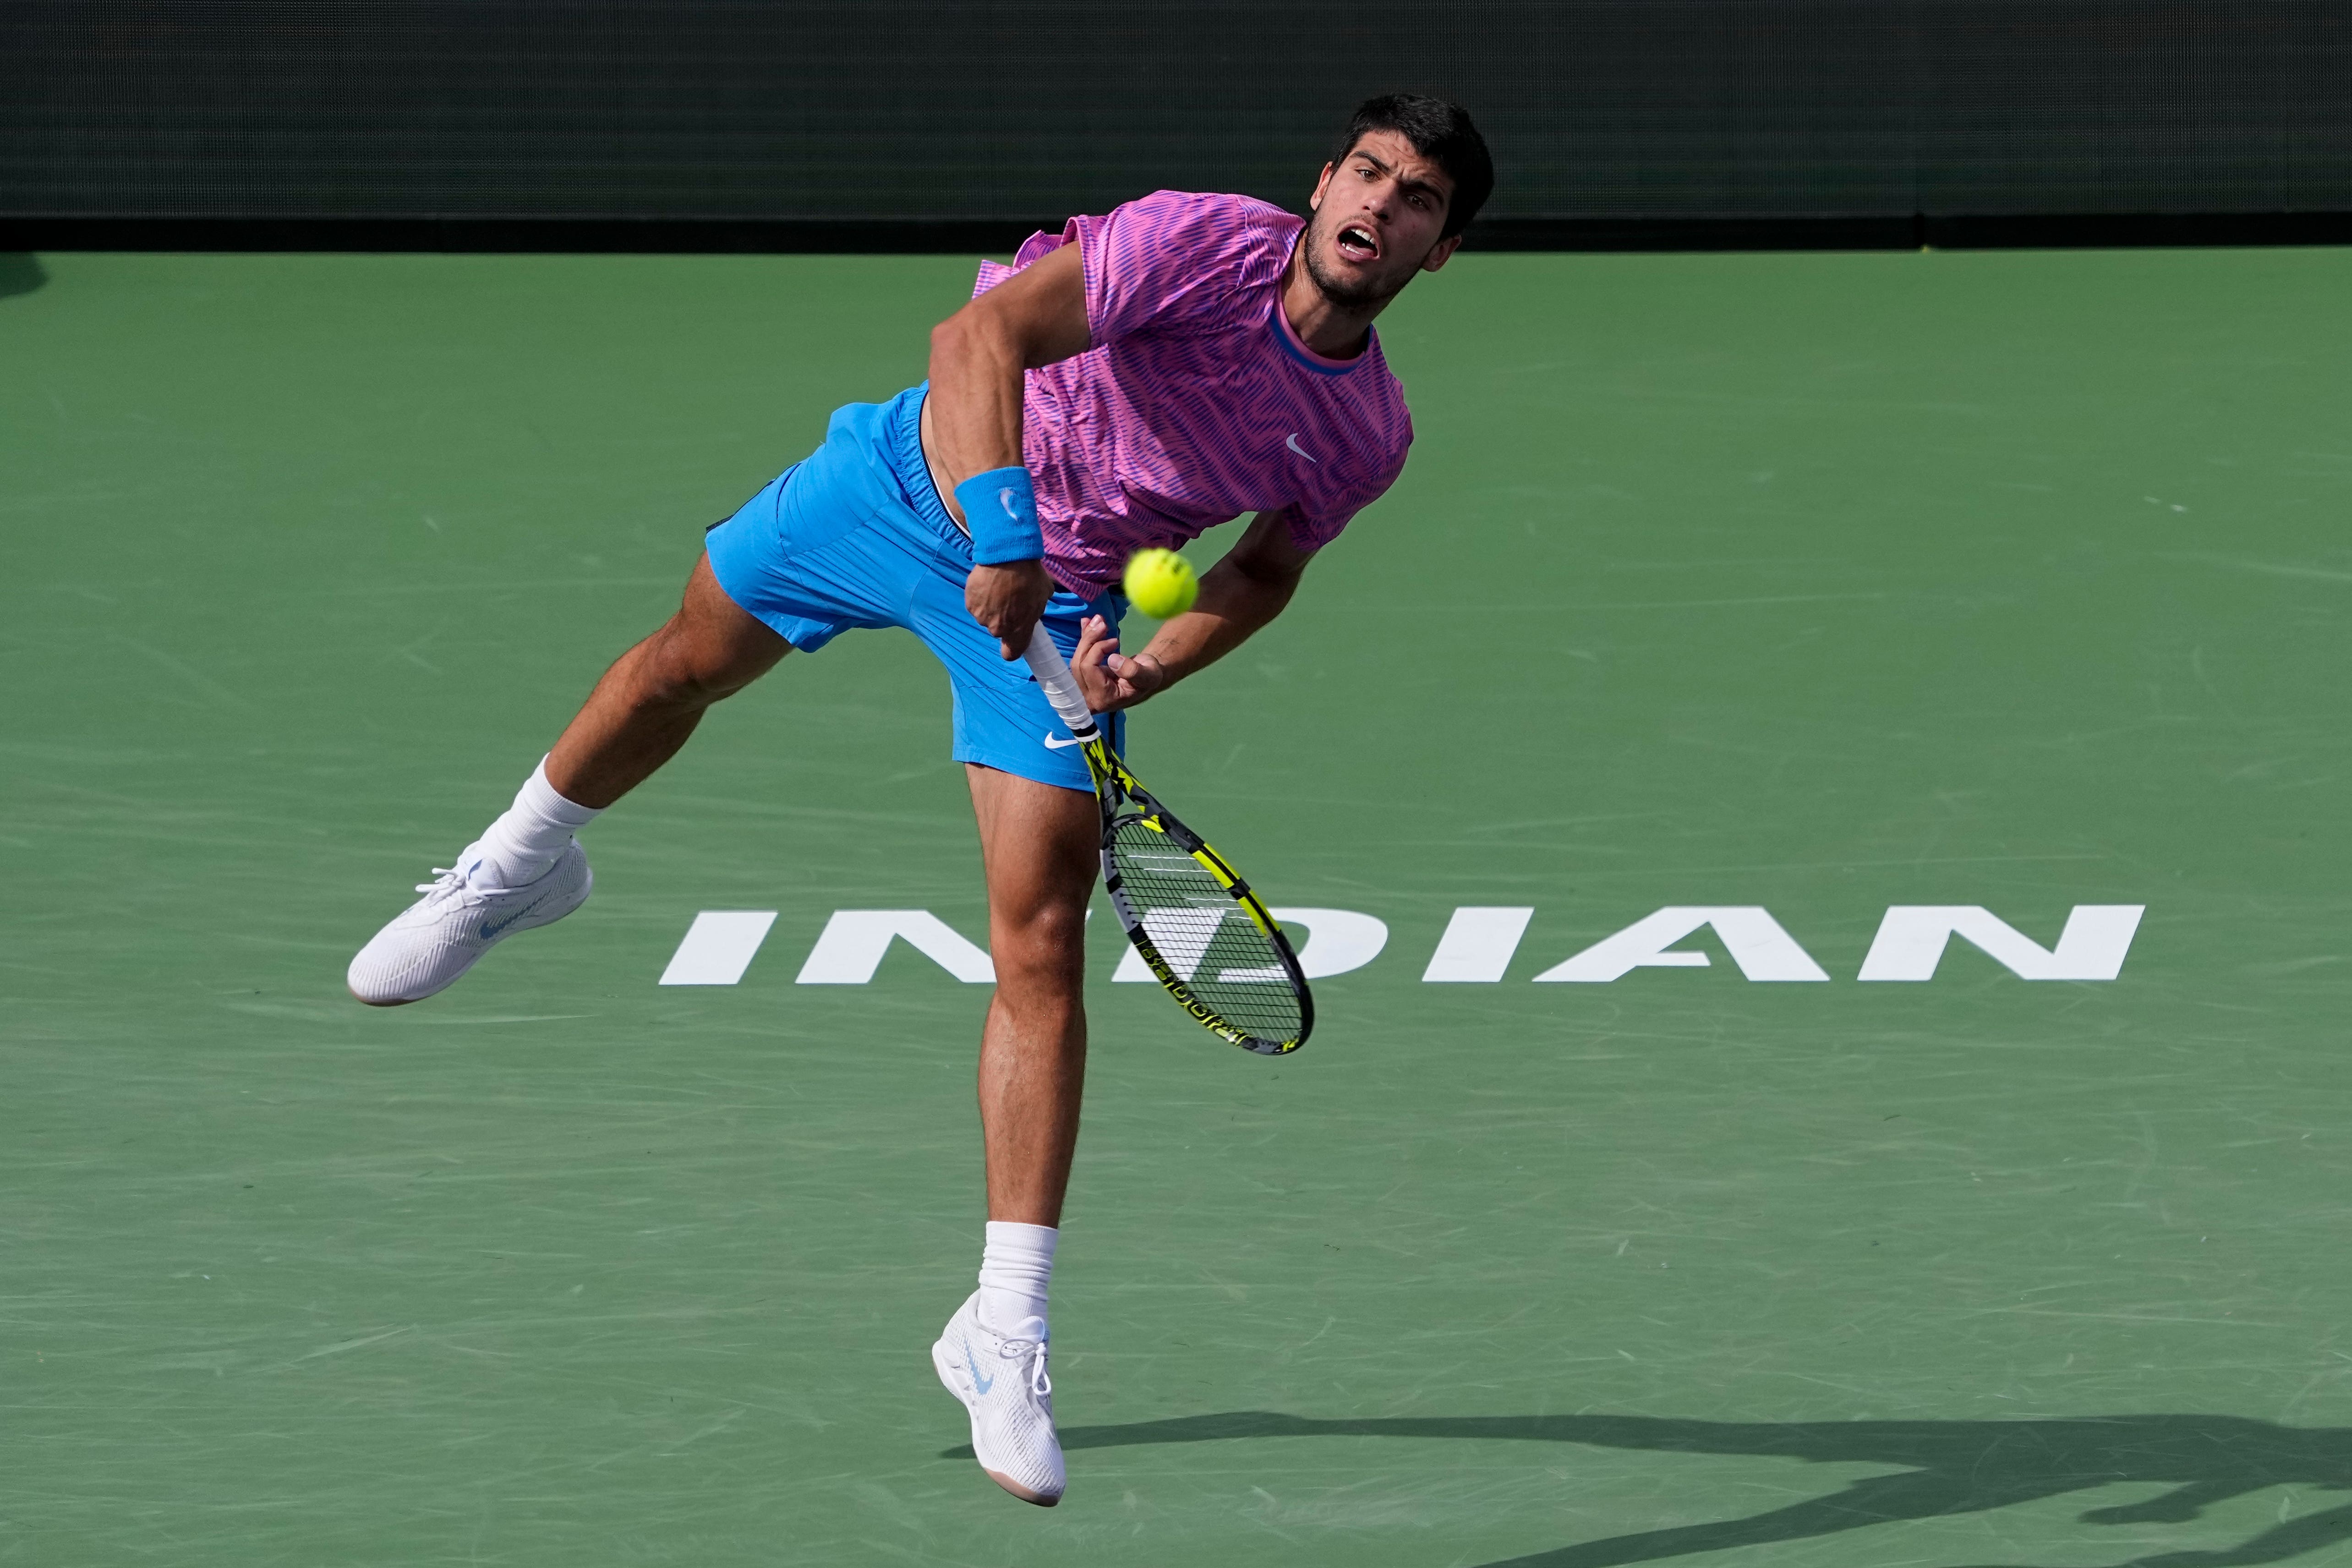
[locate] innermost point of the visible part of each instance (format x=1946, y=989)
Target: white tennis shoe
x=1001, y=1380
x=437, y=939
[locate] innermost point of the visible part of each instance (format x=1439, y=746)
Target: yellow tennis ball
x=1161, y=583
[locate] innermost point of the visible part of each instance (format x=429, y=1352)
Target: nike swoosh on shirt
x=1293, y=444
x=1053, y=744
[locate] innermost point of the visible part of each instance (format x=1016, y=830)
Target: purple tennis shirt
x=1197, y=401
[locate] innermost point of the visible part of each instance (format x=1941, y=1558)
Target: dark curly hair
x=1438, y=129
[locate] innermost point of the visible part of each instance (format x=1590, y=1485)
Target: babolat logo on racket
x=1207, y=1016
x=1201, y=1013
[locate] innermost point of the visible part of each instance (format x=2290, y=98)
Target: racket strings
x=1203, y=935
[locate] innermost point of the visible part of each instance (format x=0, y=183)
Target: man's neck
x=1335, y=331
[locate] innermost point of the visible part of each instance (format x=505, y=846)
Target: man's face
x=1377, y=212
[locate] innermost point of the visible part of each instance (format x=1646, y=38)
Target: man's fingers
x=1007, y=601
x=1095, y=658
x=1017, y=631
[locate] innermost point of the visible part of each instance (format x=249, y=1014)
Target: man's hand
x=1007, y=599
x=1109, y=681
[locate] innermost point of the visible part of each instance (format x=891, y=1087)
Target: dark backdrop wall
x=1600, y=110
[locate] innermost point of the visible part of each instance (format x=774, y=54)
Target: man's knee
x=712, y=648
x=679, y=669
x=1042, y=946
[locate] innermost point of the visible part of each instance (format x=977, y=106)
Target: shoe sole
x=941, y=1365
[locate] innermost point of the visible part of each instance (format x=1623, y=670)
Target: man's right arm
x=972, y=419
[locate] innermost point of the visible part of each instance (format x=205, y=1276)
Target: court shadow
x=1946, y=1468
x=20, y=273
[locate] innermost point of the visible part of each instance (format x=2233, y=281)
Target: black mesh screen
x=1030, y=110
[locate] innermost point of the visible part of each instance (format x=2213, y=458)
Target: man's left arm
x=1239, y=596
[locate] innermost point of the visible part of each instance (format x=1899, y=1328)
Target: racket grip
x=1053, y=673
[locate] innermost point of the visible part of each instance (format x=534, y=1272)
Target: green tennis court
x=1820, y=583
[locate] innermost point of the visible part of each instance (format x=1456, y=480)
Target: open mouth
x=1358, y=242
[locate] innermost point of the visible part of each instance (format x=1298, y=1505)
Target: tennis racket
x=1201, y=931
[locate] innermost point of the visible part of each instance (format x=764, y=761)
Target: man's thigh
x=713, y=644
x=1042, y=846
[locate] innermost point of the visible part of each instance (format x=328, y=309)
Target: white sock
x=1015, y=1270
x=521, y=846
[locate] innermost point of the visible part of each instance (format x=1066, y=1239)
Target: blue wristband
x=1000, y=508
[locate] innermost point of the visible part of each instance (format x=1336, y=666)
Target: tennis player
x=1132, y=382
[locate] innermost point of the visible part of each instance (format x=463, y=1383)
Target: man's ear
x=1439, y=252
x=1322, y=184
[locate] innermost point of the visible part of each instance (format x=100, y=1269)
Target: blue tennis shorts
x=855, y=535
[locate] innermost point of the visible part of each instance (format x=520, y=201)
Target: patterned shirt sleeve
x=993, y=272
x=1174, y=258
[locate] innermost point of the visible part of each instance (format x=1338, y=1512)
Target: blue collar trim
x=1279, y=325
